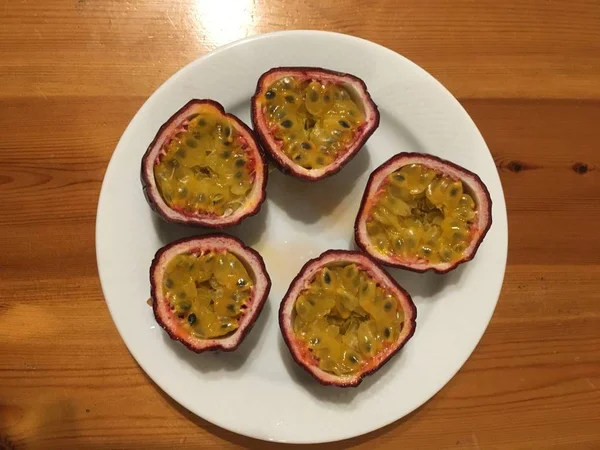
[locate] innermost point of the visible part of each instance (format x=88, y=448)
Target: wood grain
x=73, y=73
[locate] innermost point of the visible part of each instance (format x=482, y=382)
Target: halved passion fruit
x=420, y=212
x=344, y=317
x=208, y=291
x=204, y=167
x=312, y=121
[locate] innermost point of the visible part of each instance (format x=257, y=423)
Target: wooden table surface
x=74, y=72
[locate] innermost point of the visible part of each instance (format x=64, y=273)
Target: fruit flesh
x=314, y=121
x=208, y=292
x=422, y=214
x=205, y=167
x=345, y=318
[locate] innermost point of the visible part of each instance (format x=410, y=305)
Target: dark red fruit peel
x=255, y=197
x=168, y=320
x=353, y=84
x=300, y=351
x=472, y=184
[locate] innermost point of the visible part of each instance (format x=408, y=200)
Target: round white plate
x=258, y=390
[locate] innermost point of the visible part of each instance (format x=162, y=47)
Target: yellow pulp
x=207, y=292
x=313, y=121
x=206, y=167
x=345, y=318
x=421, y=214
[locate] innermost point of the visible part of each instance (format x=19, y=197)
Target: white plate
x=258, y=391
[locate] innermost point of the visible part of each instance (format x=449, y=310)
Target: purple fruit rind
x=252, y=260
x=282, y=161
x=298, y=350
x=156, y=202
x=482, y=199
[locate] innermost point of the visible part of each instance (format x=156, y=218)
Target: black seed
x=312, y=301
x=314, y=341
x=241, y=282
x=173, y=163
x=368, y=347
x=399, y=177
x=226, y=325
x=387, y=306
x=191, y=143
x=201, y=122
x=192, y=319
x=183, y=192
x=298, y=157
x=197, y=135
x=200, y=171
x=227, y=131
x=365, y=287
x=309, y=123
x=344, y=124
x=287, y=124
x=290, y=99
x=181, y=153
x=327, y=278
x=226, y=154
x=231, y=307
x=453, y=192
x=326, y=98
x=305, y=145
x=353, y=359
x=320, y=160
x=240, y=163
x=270, y=94
x=387, y=332
x=185, y=306
x=314, y=96
x=182, y=295
x=238, y=174
x=169, y=283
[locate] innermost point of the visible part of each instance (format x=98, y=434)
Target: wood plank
x=539, y=358
x=485, y=49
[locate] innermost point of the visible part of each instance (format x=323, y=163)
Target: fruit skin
x=155, y=200
x=282, y=161
x=250, y=257
x=478, y=189
x=302, y=356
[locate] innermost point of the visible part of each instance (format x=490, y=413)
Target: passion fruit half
x=343, y=317
x=208, y=291
x=204, y=168
x=420, y=212
x=312, y=121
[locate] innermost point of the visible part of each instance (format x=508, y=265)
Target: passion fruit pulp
x=208, y=291
x=344, y=317
x=204, y=168
x=420, y=212
x=312, y=121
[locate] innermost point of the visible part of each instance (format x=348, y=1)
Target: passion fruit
x=343, y=317
x=204, y=168
x=312, y=121
x=420, y=212
x=208, y=291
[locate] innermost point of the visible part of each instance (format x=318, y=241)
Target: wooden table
x=74, y=72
